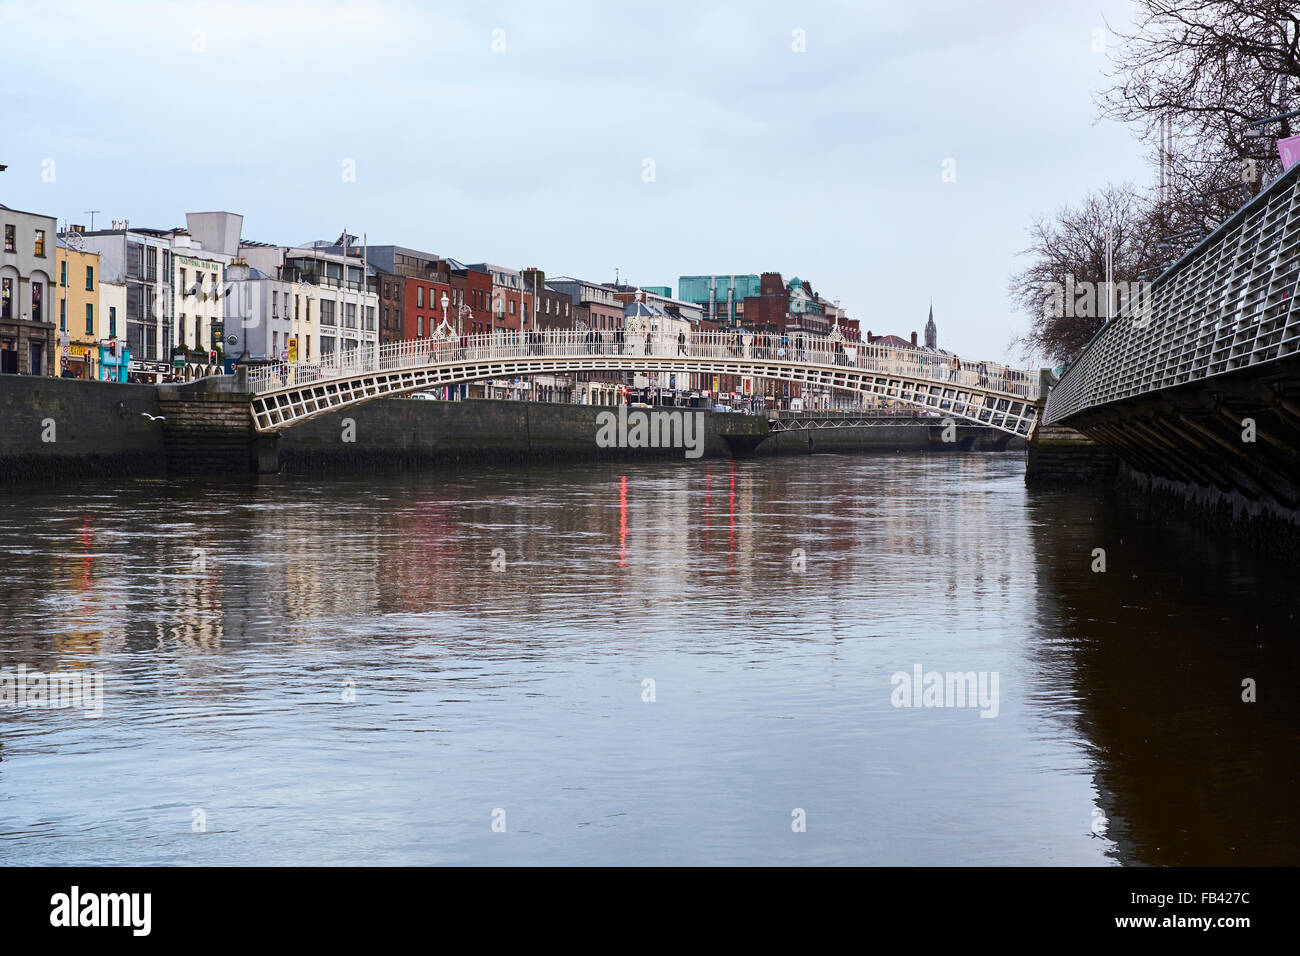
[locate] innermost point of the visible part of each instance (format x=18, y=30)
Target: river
x=656, y=663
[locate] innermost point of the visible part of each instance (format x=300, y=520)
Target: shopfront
x=114, y=363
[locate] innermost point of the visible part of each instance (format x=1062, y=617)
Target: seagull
x=154, y=418
x=1099, y=822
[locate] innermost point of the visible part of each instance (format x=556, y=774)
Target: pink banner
x=1289, y=150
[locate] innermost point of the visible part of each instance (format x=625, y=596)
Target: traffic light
x=112, y=347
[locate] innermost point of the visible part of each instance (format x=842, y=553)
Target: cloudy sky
x=661, y=139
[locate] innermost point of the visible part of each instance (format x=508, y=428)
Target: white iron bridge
x=985, y=393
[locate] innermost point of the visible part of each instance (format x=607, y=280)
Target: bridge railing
x=567, y=345
x=1228, y=304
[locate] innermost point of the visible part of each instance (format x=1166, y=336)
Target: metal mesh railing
x=1228, y=305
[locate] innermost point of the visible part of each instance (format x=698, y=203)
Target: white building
x=317, y=300
x=173, y=278
x=257, y=314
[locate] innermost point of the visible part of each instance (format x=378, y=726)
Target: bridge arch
x=288, y=393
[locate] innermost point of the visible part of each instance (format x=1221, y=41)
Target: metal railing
x=566, y=346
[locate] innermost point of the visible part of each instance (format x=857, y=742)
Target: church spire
x=931, y=331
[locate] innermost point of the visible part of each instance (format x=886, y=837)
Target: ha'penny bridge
x=987, y=394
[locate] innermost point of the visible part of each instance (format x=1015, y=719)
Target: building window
x=90, y=319
x=90, y=278
x=419, y=326
x=512, y=306
x=185, y=290
x=63, y=315
x=63, y=273
x=40, y=242
x=9, y=238
x=6, y=299
x=36, y=303
x=419, y=297
x=112, y=321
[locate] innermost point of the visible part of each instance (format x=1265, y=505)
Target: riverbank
x=61, y=428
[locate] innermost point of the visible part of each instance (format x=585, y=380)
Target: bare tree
x=1208, y=68
x=1063, y=288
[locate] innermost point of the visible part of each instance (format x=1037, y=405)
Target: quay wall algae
x=58, y=428
x=887, y=438
x=408, y=432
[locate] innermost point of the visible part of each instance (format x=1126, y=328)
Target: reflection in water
x=230, y=617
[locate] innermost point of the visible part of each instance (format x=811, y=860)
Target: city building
x=600, y=308
x=80, y=316
x=410, y=284
x=472, y=295
x=112, y=357
x=721, y=298
x=552, y=304
x=27, y=316
x=507, y=299
x=259, y=312
x=332, y=298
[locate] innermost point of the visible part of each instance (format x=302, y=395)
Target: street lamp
x=1253, y=130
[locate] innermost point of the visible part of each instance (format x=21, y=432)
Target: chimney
x=237, y=270
x=868, y=336
x=913, y=340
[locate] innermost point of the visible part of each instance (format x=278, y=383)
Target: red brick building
x=422, y=303
x=472, y=291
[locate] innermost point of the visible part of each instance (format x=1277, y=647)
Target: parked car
x=722, y=408
x=422, y=396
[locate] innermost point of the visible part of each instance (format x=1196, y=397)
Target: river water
x=641, y=663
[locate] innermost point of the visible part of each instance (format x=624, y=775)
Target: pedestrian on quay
x=681, y=343
x=618, y=340
x=589, y=339
x=647, y=343
x=955, y=369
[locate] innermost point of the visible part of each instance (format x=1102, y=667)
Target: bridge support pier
x=208, y=429
x=1058, y=457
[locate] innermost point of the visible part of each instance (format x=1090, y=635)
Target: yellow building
x=77, y=310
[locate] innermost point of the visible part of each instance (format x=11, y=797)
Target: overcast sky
x=827, y=164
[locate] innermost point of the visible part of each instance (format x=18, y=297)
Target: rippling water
x=331, y=671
